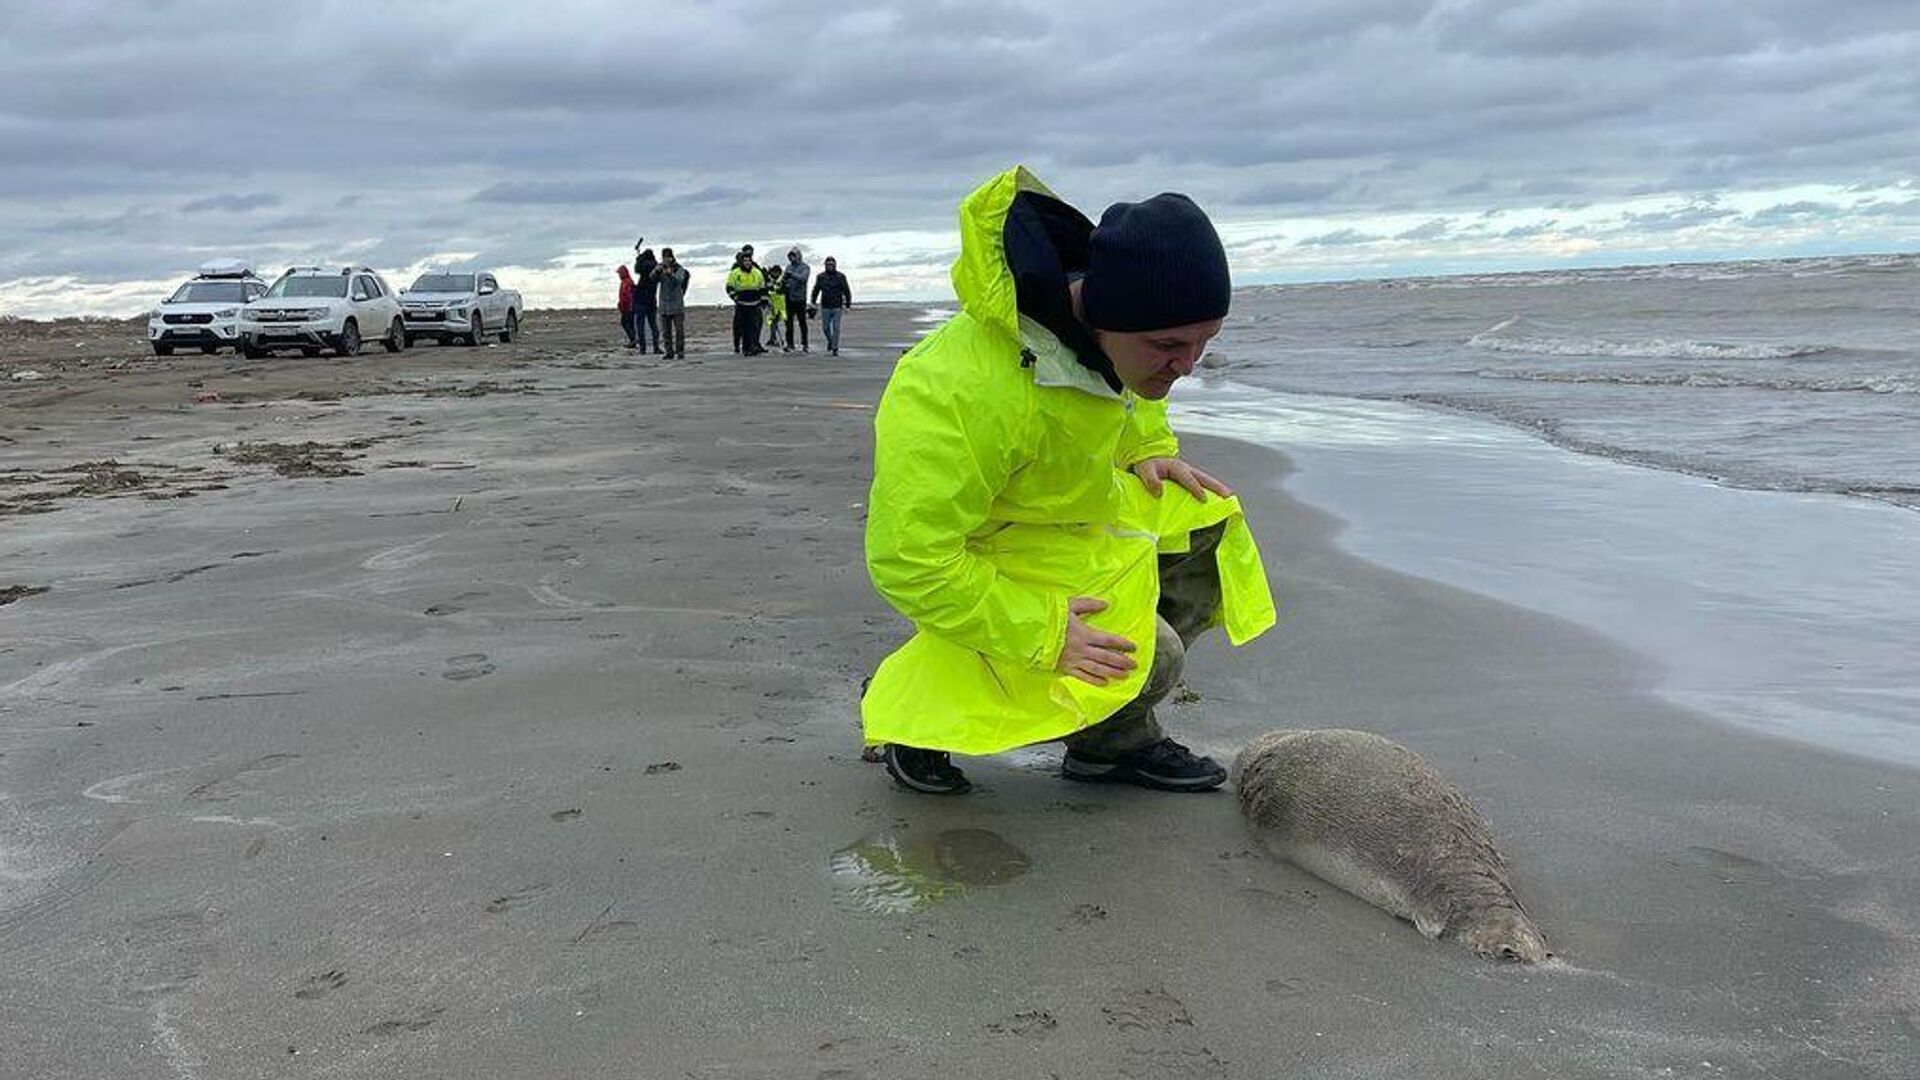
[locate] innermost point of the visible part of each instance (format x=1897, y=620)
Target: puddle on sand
x=896, y=873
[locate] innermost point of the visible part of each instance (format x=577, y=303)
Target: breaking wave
x=1516, y=336
x=1883, y=384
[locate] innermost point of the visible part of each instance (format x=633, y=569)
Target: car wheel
x=512, y=328
x=474, y=331
x=308, y=350
x=251, y=351
x=209, y=350
x=396, y=337
x=349, y=340
x=163, y=350
x=412, y=339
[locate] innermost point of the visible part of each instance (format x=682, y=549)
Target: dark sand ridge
x=536, y=755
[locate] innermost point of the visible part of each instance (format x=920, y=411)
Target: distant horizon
x=1304, y=282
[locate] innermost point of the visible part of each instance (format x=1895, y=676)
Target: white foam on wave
x=1884, y=384
x=1500, y=338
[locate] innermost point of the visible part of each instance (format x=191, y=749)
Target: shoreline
x=532, y=747
x=1711, y=582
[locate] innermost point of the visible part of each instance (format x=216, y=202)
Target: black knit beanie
x=1154, y=265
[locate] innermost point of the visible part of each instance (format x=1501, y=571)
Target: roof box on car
x=226, y=268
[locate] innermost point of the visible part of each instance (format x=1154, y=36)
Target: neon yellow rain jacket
x=1001, y=490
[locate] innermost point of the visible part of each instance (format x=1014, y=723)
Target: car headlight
x=249, y=315
x=154, y=314
x=226, y=313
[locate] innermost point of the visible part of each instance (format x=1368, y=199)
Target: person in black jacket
x=646, y=302
x=832, y=293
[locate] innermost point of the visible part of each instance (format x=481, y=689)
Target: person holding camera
x=672, y=280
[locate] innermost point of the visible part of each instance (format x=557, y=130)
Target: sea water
x=1718, y=466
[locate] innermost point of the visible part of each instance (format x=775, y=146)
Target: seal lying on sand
x=1366, y=814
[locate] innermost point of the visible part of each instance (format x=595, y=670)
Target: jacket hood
x=624, y=275
x=1018, y=245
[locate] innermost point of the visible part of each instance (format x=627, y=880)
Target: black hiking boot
x=930, y=772
x=1165, y=765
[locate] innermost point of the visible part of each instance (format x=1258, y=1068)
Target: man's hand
x=1153, y=471
x=1090, y=655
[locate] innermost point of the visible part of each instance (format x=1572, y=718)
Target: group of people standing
x=779, y=296
x=653, y=302
x=653, y=299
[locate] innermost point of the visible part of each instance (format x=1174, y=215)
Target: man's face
x=1149, y=362
x=829, y=264
x=793, y=256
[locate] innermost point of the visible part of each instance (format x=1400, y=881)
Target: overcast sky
x=1329, y=138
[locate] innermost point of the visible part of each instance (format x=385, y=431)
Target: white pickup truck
x=464, y=307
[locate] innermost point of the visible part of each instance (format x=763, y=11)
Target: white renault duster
x=313, y=308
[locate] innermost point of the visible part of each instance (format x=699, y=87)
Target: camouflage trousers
x=1189, y=597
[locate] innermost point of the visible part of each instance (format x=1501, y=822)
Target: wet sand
x=510, y=730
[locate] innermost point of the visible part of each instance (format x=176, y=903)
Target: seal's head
x=1506, y=934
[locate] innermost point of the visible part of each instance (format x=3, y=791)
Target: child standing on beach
x=776, y=306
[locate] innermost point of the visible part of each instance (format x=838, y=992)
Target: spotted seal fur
x=1368, y=815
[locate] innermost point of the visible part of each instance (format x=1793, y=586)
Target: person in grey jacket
x=672, y=279
x=793, y=282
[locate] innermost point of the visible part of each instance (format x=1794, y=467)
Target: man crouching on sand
x=1021, y=513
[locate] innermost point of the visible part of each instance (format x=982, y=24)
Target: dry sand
x=492, y=713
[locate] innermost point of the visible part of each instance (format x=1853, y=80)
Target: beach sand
x=510, y=729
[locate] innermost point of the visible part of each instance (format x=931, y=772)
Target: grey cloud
x=1286, y=192
x=1429, y=230
x=1907, y=209
x=1686, y=217
x=1525, y=232
x=563, y=192
x=706, y=251
x=705, y=198
x=1416, y=107
x=1793, y=213
x=232, y=204
x=1339, y=238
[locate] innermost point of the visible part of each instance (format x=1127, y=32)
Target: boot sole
x=1088, y=773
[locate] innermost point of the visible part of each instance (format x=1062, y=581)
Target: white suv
x=205, y=313
x=312, y=308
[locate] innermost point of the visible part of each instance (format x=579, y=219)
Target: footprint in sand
x=1157, y=1035
x=500, y=905
x=419, y=1021
x=467, y=666
x=456, y=605
x=318, y=986
x=219, y=789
